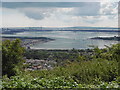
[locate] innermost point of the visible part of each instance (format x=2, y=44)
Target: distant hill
x=77, y=27
x=87, y=29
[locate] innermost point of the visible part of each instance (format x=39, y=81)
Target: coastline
x=28, y=41
x=115, y=38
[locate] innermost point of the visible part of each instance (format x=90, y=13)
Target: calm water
x=69, y=39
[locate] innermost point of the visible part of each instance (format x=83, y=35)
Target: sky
x=60, y=0
x=59, y=14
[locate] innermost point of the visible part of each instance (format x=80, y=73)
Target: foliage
x=0, y=84
x=59, y=56
x=25, y=82
x=60, y=82
x=100, y=65
x=109, y=53
x=83, y=72
x=96, y=68
x=12, y=57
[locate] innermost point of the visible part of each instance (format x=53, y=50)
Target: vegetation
x=28, y=81
x=95, y=68
x=12, y=55
x=59, y=56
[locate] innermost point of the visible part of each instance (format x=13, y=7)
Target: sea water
x=69, y=39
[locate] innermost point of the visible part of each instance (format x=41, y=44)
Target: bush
x=99, y=70
x=27, y=82
x=12, y=57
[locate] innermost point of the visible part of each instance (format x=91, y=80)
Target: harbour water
x=69, y=39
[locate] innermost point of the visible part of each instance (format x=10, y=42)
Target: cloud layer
x=60, y=14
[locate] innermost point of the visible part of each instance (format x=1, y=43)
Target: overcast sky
x=60, y=0
x=59, y=14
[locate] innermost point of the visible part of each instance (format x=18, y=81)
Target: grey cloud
x=50, y=0
x=108, y=9
x=42, y=4
x=37, y=13
x=89, y=9
x=35, y=16
x=119, y=8
x=46, y=9
x=0, y=4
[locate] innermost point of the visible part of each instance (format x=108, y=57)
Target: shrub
x=12, y=57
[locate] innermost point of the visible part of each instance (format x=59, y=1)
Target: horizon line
x=60, y=26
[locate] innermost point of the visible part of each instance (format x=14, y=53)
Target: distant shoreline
x=115, y=38
x=28, y=41
x=14, y=31
x=27, y=37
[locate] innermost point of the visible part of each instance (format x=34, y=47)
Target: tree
x=12, y=57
